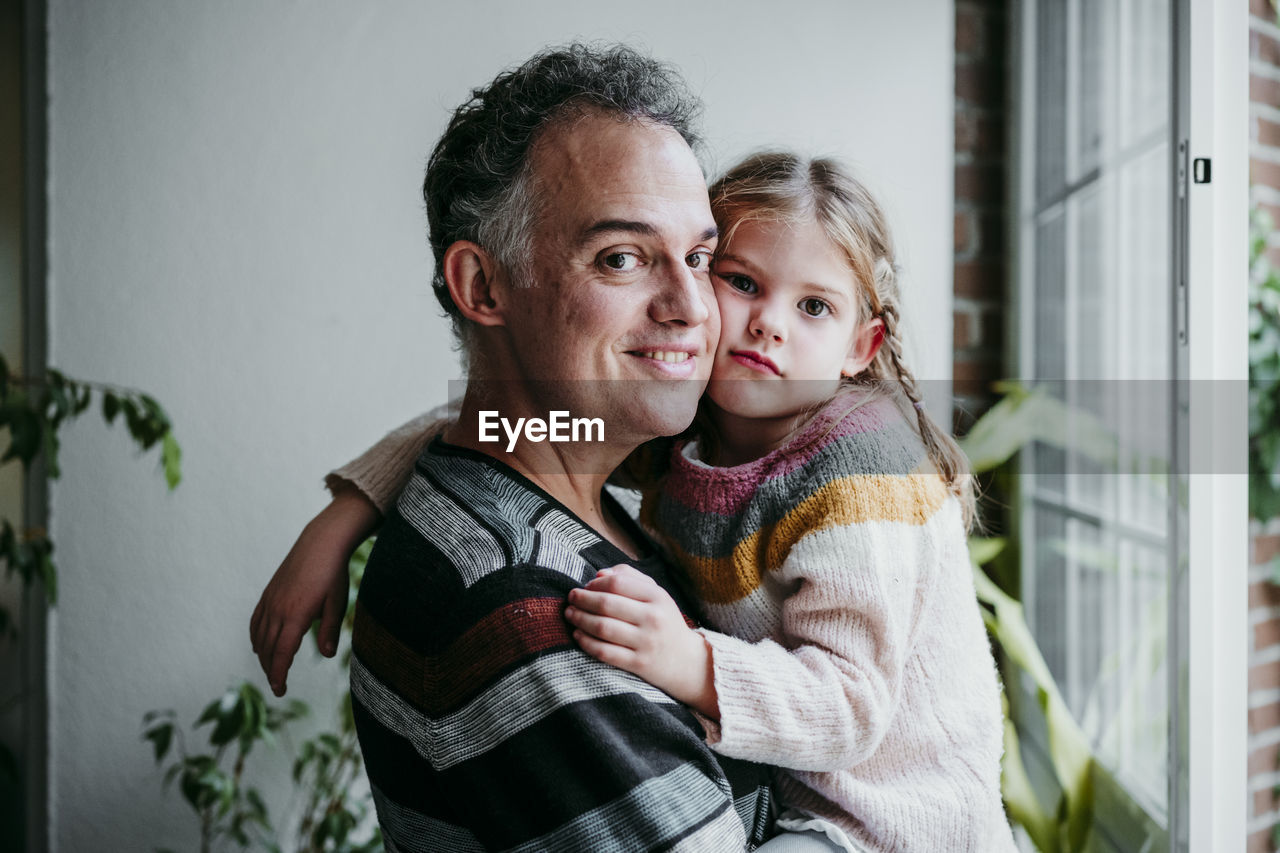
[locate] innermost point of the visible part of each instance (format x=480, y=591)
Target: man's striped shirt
x=483, y=725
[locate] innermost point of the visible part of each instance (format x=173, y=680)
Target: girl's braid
x=942, y=449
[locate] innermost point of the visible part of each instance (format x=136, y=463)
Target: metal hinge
x=1181, y=304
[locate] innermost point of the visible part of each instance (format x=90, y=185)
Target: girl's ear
x=866, y=343
x=475, y=284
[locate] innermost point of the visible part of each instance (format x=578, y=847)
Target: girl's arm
x=312, y=581
x=825, y=699
x=381, y=472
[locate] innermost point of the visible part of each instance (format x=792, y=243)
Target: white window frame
x=1214, y=121
x=1208, y=557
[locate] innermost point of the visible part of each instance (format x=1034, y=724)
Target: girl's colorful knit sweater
x=853, y=654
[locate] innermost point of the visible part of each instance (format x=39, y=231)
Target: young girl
x=819, y=516
x=823, y=532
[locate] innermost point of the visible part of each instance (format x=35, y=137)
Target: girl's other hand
x=310, y=584
x=622, y=617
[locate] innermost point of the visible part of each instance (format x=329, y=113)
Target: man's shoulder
x=479, y=517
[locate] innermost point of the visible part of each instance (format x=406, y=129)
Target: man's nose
x=684, y=297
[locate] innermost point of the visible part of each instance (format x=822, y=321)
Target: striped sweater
x=483, y=726
x=853, y=653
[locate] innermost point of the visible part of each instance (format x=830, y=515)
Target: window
x=1095, y=330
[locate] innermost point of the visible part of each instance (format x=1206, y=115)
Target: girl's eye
x=699, y=260
x=621, y=261
x=740, y=283
x=814, y=307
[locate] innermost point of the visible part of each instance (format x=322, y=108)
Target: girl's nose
x=765, y=325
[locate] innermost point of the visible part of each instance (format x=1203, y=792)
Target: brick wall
x=1264, y=596
x=1264, y=685
x=981, y=108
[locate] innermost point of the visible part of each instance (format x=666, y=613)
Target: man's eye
x=699, y=260
x=741, y=283
x=814, y=307
x=621, y=261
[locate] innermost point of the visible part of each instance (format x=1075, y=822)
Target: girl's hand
x=622, y=617
x=310, y=584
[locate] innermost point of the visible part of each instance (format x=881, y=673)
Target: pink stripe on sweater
x=734, y=487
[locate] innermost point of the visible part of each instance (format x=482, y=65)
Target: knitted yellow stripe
x=911, y=499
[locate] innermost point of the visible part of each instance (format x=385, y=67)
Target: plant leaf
x=171, y=456
x=161, y=737
x=110, y=407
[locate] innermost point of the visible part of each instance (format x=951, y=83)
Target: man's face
x=622, y=302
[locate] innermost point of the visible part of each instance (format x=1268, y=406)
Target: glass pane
x=1143, y=249
x=1048, y=608
x=1145, y=451
x=1091, y=484
x=1093, y=346
x=1094, y=50
x=1144, y=77
x=1095, y=525
x=1051, y=92
x=1090, y=572
x=1093, y=289
x=1137, y=741
x=1051, y=298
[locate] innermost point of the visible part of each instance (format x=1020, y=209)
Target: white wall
x=236, y=227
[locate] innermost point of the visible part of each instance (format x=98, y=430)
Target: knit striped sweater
x=852, y=652
x=482, y=724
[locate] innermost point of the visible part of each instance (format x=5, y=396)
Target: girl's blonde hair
x=783, y=187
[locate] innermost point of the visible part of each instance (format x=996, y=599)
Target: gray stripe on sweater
x=471, y=489
x=512, y=703
x=651, y=814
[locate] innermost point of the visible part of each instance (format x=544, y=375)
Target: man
x=573, y=238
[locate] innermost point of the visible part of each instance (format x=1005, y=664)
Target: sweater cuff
x=744, y=718
x=381, y=472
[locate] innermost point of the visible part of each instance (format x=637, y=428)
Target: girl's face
x=790, y=321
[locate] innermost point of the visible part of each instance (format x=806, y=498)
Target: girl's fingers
x=632, y=584
x=618, y=606
x=253, y=626
x=604, y=627
x=609, y=653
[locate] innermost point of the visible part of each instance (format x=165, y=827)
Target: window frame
x=1207, y=559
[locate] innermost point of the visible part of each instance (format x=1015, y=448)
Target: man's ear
x=866, y=343
x=475, y=282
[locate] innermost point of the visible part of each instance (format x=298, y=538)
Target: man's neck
x=574, y=473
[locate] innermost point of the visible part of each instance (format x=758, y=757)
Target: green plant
x=1063, y=818
x=32, y=411
x=324, y=770
x=329, y=764
x=1019, y=418
x=226, y=807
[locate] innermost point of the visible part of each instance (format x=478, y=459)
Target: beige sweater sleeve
x=381, y=472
